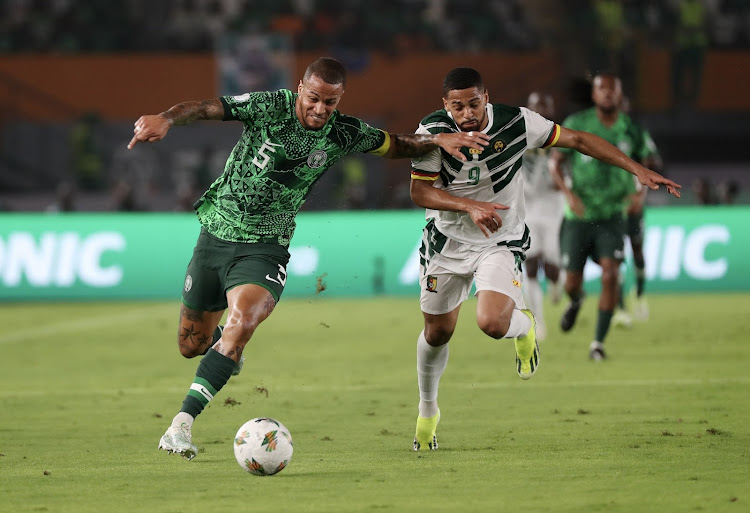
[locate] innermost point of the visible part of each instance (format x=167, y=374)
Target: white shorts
x=446, y=279
x=545, y=239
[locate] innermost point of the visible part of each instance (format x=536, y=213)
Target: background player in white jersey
x=475, y=230
x=544, y=213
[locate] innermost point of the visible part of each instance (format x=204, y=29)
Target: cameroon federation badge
x=431, y=283
x=498, y=146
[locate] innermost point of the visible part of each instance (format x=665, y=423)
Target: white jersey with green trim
x=490, y=175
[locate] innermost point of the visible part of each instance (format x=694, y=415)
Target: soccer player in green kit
x=598, y=195
x=247, y=216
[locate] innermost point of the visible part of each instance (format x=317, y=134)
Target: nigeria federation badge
x=188, y=283
x=317, y=159
x=432, y=284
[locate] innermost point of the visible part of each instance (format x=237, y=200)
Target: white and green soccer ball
x=263, y=446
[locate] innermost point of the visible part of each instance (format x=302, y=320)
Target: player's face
x=542, y=104
x=607, y=93
x=468, y=108
x=316, y=101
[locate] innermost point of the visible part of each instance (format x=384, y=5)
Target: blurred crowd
x=593, y=34
x=398, y=25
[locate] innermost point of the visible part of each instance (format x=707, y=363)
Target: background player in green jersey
x=248, y=214
x=476, y=228
x=597, y=199
x=634, y=229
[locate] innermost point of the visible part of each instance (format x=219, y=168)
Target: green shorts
x=218, y=265
x=635, y=228
x=580, y=240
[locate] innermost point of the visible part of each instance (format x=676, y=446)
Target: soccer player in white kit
x=545, y=204
x=476, y=232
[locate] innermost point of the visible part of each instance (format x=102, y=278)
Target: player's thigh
x=609, y=239
x=547, y=244
x=442, y=290
x=536, y=234
x=259, y=264
x=635, y=229
x=575, y=244
x=499, y=270
x=205, y=278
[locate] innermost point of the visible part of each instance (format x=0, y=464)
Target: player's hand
x=576, y=205
x=652, y=180
x=452, y=143
x=149, y=129
x=485, y=216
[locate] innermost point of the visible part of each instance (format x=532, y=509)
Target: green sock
x=213, y=373
x=602, y=325
x=640, y=280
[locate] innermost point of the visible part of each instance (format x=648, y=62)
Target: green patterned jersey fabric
x=604, y=189
x=274, y=165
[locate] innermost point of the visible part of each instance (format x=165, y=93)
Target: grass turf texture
x=663, y=425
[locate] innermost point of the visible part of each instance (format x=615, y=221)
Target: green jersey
x=274, y=165
x=604, y=189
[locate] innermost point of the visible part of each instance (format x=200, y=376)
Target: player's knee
x=188, y=348
x=437, y=336
x=610, y=277
x=493, y=326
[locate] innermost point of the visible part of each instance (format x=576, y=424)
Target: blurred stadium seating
x=74, y=76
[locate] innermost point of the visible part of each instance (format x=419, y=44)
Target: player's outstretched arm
x=154, y=127
x=424, y=194
x=600, y=149
x=416, y=145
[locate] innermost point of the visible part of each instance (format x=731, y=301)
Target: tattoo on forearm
x=186, y=112
x=412, y=145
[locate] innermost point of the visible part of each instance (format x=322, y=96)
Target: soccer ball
x=263, y=446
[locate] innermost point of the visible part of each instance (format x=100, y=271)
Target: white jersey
x=490, y=175
x=543, y=199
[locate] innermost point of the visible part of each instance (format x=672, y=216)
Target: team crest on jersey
x=431, y=283
x=517, y=283
x=498, y=146
x=188, y=283
x=317, y=159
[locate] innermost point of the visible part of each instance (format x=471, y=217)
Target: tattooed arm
x=154, y=127
x=416, y=145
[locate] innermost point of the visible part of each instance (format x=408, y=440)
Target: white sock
x=183, y=418
x=520, y=324
x=431, y=362
x=535, y=296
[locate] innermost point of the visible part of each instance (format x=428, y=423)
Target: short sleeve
x=250, y=107
x=428, y=166
x=372, y=140
x=540, y=131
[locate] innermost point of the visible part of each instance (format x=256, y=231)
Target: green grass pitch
x=662, y=426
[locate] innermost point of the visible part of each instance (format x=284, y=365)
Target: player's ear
x=486, y=96
x=299, y=87
x=445, y=103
